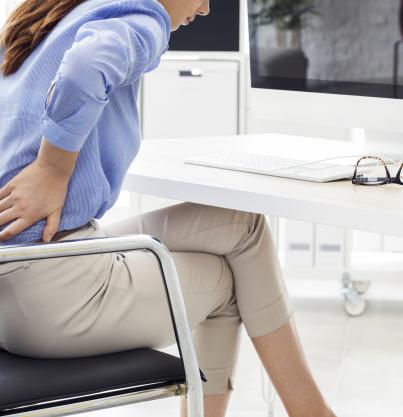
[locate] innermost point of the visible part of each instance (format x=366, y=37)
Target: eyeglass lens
x=371, y=171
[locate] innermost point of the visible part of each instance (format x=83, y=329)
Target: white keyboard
x=274, y=166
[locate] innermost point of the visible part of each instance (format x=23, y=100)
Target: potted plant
x=288, y=16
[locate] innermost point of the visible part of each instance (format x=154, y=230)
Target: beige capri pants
x=94, y=304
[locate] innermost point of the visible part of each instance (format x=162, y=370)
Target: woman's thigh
x=74, y=306
x=242, y=238
x=190, y=227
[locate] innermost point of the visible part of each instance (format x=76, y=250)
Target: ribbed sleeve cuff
x=60, y=137
x=71, y=114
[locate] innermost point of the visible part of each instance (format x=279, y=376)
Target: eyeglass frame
x=388, y=180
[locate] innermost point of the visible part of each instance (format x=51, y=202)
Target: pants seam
x=206, y=230
x=208, y=292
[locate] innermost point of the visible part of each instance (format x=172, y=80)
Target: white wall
x=7, y=6
x=339, y=47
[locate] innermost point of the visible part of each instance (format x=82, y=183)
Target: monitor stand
x=377, y=143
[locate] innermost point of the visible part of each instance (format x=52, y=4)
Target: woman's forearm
x=56, y=159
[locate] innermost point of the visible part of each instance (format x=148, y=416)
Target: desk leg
x=135, y=204
x=274, y=227
x=352, y=291
x=268, y=390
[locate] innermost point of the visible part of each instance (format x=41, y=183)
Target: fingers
x=5, y=203
x=52, y=225
x=20, y=224
x=4, y=192
x=14, y=228
x=7, y=216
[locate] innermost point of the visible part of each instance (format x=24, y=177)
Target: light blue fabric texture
x=94, y=58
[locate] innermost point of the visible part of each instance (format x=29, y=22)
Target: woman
x=66, y=142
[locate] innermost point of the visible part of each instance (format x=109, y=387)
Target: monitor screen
x=350, y=47
x=219, y=31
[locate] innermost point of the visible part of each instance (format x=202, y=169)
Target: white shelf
x=202, y=55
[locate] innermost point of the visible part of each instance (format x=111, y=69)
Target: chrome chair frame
x=88, y=246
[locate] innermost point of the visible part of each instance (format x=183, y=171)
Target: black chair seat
x=26, y=381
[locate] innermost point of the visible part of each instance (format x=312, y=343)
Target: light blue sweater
x=95, y=57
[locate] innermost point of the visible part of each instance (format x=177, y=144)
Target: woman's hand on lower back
x=37, y=192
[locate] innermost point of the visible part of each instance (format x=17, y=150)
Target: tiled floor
x=358, y=362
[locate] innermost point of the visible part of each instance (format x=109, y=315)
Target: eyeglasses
x=371, y=170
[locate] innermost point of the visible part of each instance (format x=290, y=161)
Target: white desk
x=159, y=170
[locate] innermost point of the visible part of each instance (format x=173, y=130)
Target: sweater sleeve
x=105, y=54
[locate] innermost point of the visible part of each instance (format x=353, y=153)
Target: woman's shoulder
x=112, y=8
x=92, y=10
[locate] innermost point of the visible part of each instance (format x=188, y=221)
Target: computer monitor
x=330, y=62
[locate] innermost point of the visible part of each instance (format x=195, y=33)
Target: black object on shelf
x=219, y=31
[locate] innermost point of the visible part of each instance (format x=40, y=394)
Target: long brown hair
x=27, y=25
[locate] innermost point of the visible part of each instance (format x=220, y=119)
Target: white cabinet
x=366, y=241
x=190, y=98
x=393, y=244
x=329, y=246
x=297, y=239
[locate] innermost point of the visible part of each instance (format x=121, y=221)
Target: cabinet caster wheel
x=361, y=286
x=355, y=309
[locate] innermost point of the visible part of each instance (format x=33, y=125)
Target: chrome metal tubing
x=98, y=245
x=101, y=403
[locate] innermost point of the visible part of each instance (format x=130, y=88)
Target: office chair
x=59, y=387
